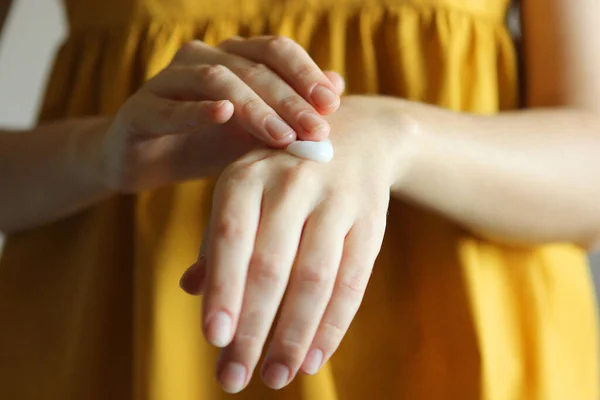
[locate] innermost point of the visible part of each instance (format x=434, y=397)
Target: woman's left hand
x=272, y=211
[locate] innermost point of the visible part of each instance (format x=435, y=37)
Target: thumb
x=152, y=116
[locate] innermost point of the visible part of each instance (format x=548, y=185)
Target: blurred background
x=30, y=38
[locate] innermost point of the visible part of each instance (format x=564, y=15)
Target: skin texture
x=273, y=208
x=207, y=108
x=543, y=164
x=544, y=194
x=333, y=230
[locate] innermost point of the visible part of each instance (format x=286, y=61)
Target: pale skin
x=543, y=164
x=521, y=178
x=210, y=106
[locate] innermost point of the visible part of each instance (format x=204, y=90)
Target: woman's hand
x=273, y=211
x=211, y=105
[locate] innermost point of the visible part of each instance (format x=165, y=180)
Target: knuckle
x=304, y=73
x=247, y=335
x=211, y=72
x=266, y=269
x=318, y=276
x=333, y=330
x=238, y=176
x=248, y=340
x=296, y=176
x=251, y=106
x=277, y=45
x=218, y=289
x=229, y=228
x=294, y=105
x=227, y=42
x=353, y=286
x=253, y=71
x=243, y=173
x=293, y=349
x=189, y=48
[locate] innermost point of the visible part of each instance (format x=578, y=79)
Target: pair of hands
x=212, y=105
x=279, y=224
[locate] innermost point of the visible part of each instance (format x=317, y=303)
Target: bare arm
x=49, y=172
x=197, y=115
x=45, y=173
x=523, y=177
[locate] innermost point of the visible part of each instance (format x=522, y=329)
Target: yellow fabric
x=90, y=306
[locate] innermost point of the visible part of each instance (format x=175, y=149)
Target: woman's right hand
x=211, y=105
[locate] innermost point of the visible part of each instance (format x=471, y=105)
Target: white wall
x=27, y=46
x=28, y=43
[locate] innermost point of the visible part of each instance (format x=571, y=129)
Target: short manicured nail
x=313, y=123
x=219, y=329
x=233, y=377
x=324, y=98
x=276, y=375
x=277, y=128
x=221, y=104
x=313, y=361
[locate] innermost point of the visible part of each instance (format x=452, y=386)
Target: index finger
x=290, y=61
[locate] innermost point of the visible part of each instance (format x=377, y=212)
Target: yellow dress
x=90, y=306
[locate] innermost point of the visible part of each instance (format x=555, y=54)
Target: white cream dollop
x=316, y=151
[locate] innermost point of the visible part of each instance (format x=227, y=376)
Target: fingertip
x=279, y=133
x=312, y=363
x=283, y=143
x=325, y=99
x=222, y=111
x=219, y=329
x=317, y=135
x=233, y=377
x=337, y=81
x=333, y=108
x=322, y=134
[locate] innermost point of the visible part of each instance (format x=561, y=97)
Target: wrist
x=86, y=152
x=404, y=134
x=426, y=146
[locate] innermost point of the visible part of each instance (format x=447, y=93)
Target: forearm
x=49, y=172
x=523, y=177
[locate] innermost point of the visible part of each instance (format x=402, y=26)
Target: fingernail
x=312, y=123
x=313, y=361
x=233, y=377
x=276, y=375
x=221, y=103
x=277, y=128
x=219, y=329
x=324, y=98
